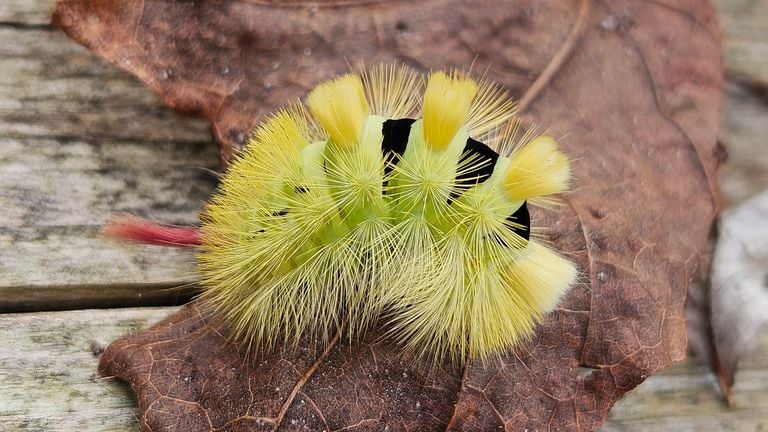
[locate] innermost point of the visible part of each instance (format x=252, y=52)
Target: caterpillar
x=371, y=203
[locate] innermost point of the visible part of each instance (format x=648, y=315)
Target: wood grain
x=48, y=370
x=742, y=134
x=745, y=27
x=81, y=140
x=49, y=382
x=26, y=12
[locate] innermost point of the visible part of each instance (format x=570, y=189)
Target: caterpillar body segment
x=360, y=209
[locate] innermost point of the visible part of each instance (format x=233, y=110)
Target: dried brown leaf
x=635, y=89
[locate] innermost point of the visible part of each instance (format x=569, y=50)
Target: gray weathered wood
x=686, y=397
x=743, y=134
x=53, y=87
x=57, y=193
x=48, y=378
x=745, y=30
x=81, y=140
x=27, y=12
x=48, y=381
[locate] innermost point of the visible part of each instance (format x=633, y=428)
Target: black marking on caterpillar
x=395, y=141
x=520, y=222
x=480, y=161
x=477, y=156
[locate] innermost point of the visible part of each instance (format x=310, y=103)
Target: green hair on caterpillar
x=353, y=208
x=372, y=204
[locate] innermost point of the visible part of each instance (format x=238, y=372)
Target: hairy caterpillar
x=355, y=208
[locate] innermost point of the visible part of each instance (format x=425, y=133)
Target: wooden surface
x=48, y=380
x=746, y=42
x=79, y=140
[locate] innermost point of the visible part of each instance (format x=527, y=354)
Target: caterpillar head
x=371, y=204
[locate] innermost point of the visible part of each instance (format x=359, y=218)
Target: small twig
x=308, y=374
x=558, y=60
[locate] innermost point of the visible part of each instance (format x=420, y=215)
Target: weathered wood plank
x=81, y=140
x=57, y=193
x=686, y=397
x=47, y=379
x=52, y=87
x=743, y=134
x=745, y=27
x=28, y=12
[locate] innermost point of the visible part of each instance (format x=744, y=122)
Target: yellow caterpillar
x=355, y=209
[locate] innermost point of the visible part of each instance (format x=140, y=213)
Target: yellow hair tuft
x=491, y=108
x=287, y=131
x=447, y=103
x=341, y=108
x=393, y=91
x=536, y=169
x=541, y=277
